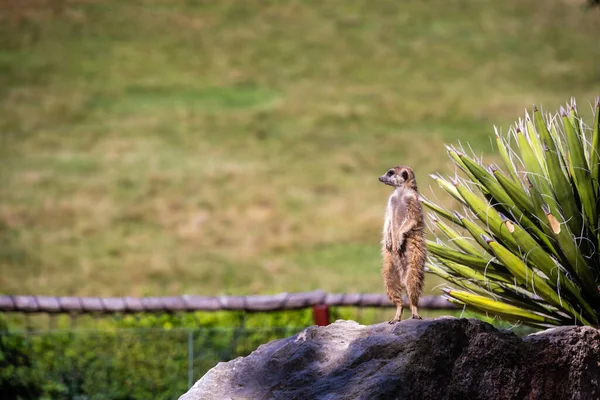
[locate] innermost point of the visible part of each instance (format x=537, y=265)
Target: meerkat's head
x=400, y=176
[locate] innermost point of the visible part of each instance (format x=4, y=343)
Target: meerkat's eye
x=390, y=172
x=405, y=175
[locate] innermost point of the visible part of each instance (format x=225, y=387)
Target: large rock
x=444, y=358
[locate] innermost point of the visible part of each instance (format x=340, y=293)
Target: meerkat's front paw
x=400, y=240
x=393, y=321
x=415, y=316
x=389, y=244
x=400, y=243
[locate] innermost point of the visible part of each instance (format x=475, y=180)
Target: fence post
x=321, y=314
x=190, y=358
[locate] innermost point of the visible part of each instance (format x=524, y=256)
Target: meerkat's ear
x=404, y=174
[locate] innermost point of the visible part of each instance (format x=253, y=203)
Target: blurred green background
x=233, y=147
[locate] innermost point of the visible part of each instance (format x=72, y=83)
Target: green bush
x=16, y=378
x=133, y=357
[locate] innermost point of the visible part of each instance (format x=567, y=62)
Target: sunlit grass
x=234, y=147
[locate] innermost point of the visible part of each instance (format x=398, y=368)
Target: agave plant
x=526, y=246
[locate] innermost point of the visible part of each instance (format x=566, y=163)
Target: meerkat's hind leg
x=415, y=313
x=393, y=284
x=413, y=294
x=395, y=294
x=413, y=301
x=414, y=284
x=398, y=316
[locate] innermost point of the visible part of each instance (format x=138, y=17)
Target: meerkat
x=403, y=242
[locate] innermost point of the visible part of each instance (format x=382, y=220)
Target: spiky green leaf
x=507, y=311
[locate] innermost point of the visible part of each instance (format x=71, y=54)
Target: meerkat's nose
x=382, y=178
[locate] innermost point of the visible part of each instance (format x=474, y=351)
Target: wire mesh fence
x=123, y=363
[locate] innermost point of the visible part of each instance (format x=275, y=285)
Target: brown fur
x=403, y=243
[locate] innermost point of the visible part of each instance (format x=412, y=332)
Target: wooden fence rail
x=282, y=301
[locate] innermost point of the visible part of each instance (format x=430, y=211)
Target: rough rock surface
x=443, y=358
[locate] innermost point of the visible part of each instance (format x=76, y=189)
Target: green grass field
x=169, y=147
